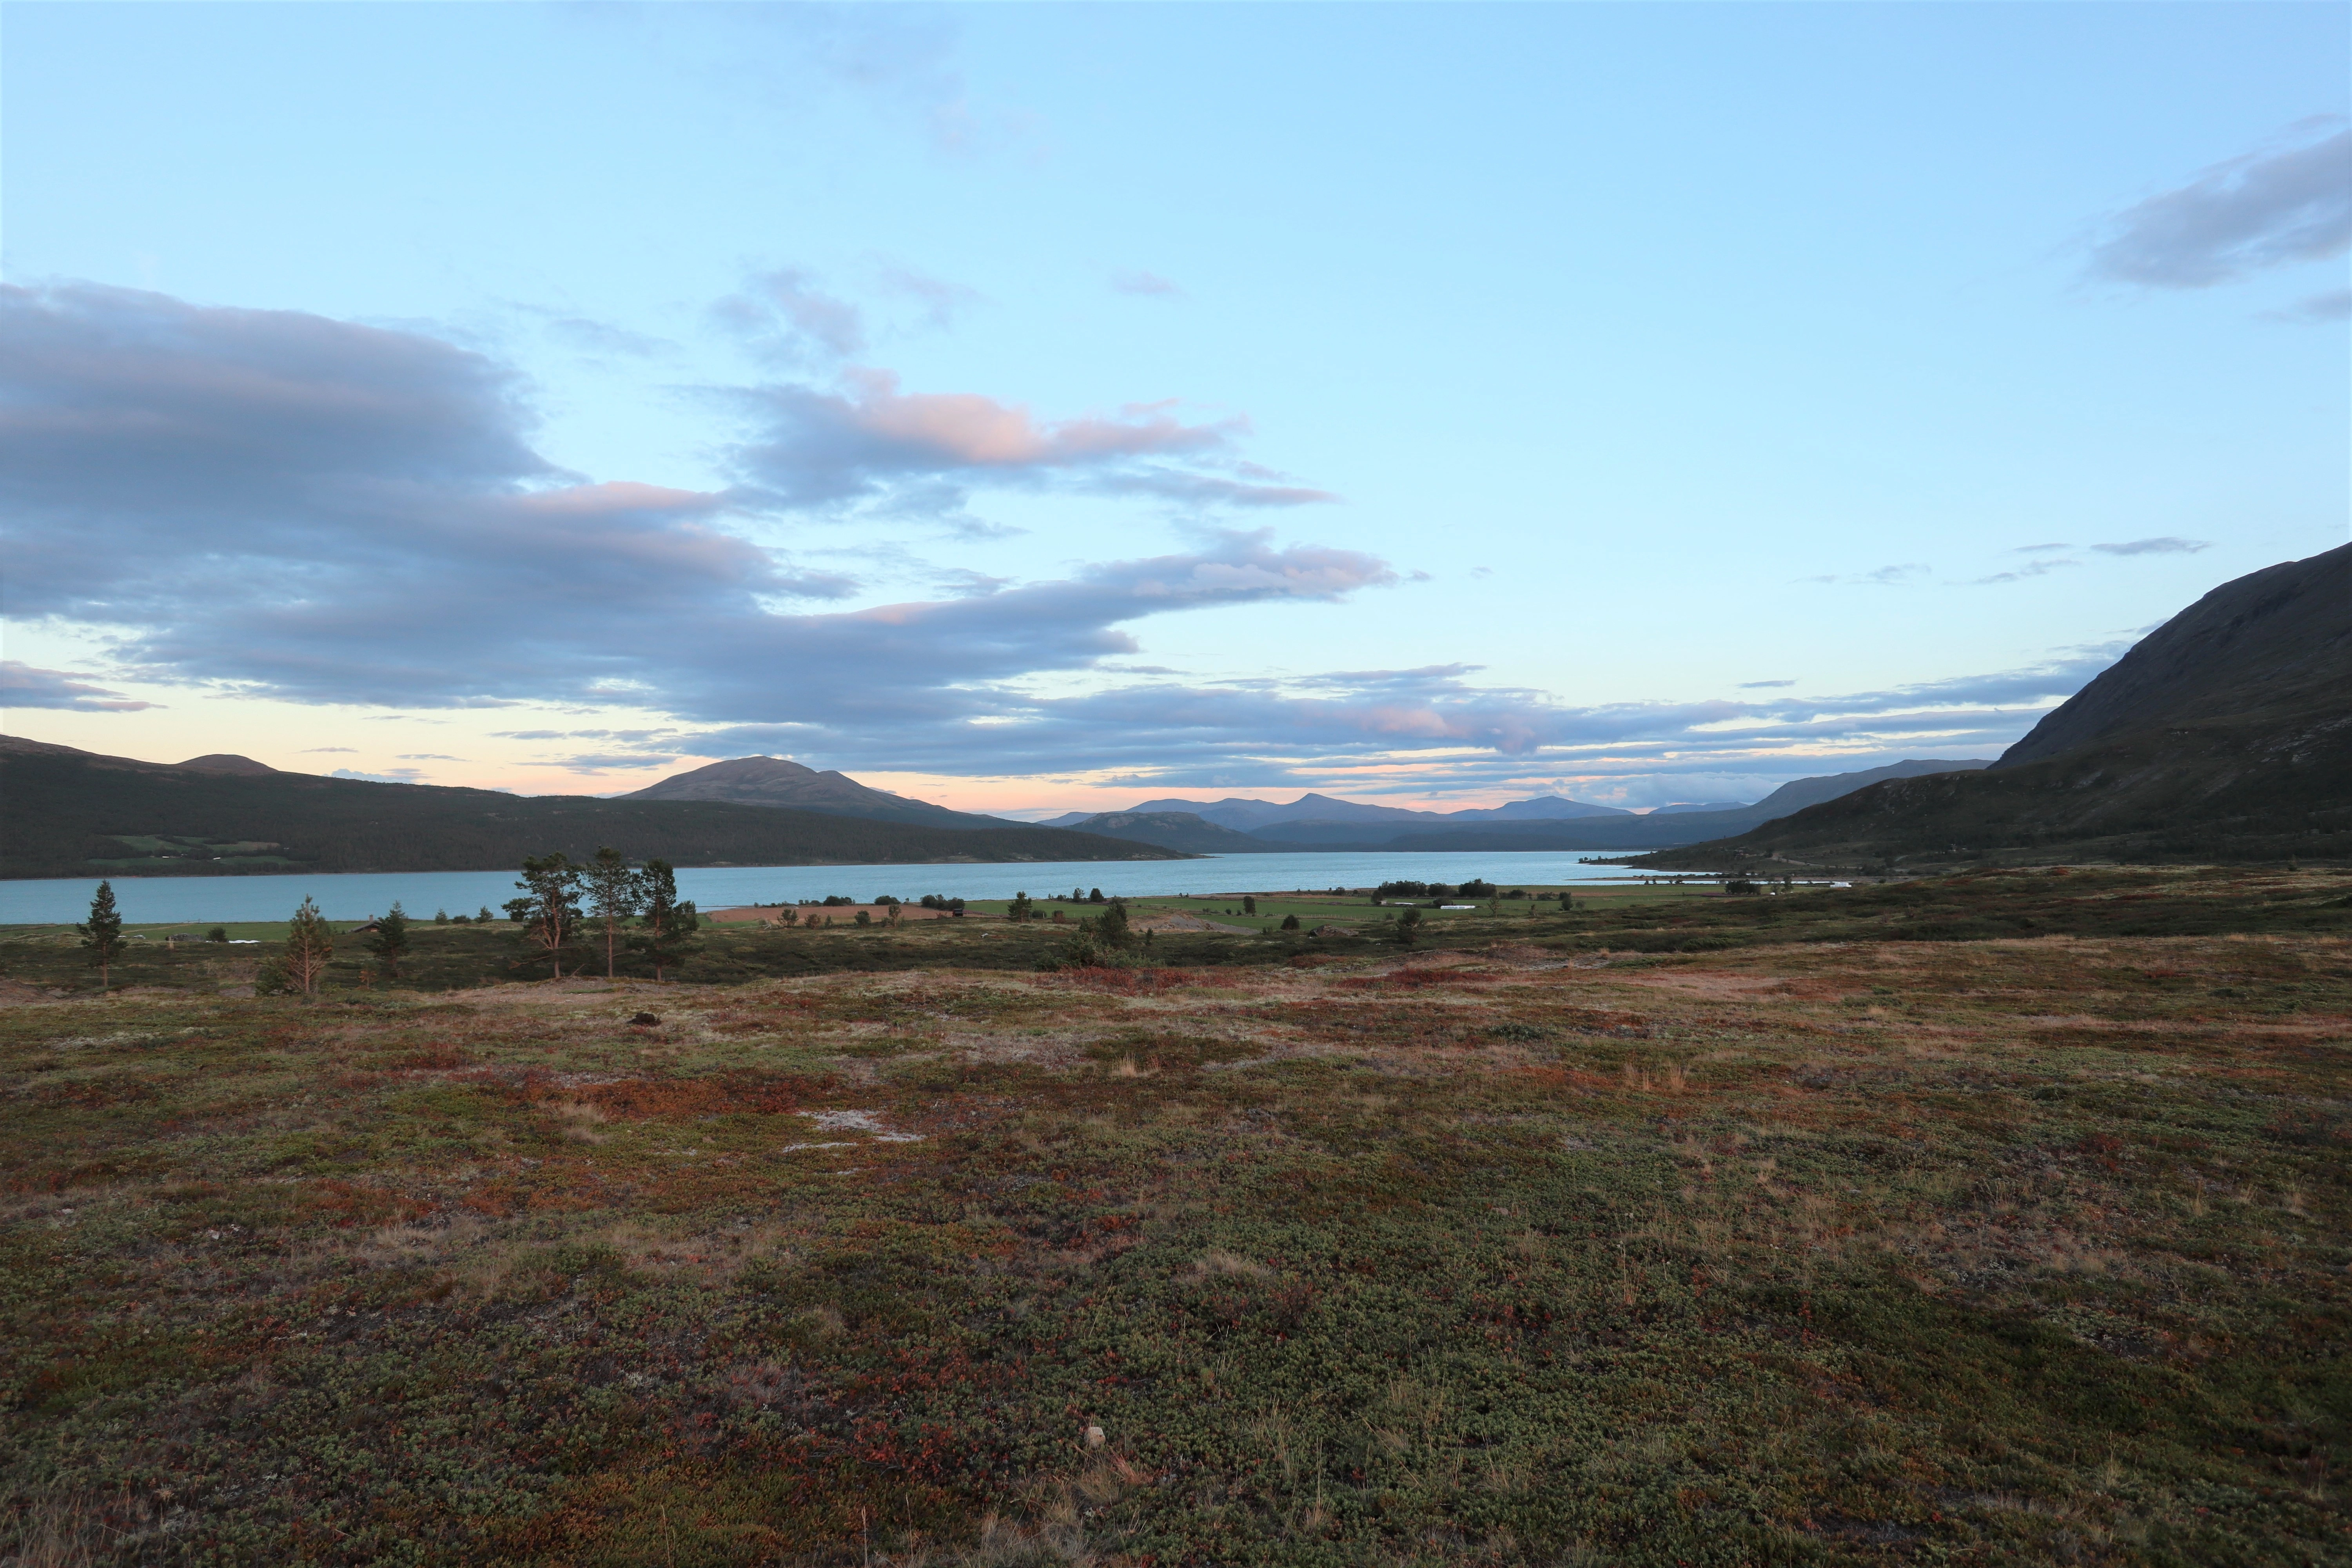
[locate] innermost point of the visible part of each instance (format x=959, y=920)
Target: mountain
x=1683, y=806
x=1249, y=816
x=78, y=814
x=229, y=763
x=1543, y=808
x=1620, y=830
x=778, y=782
x=2225, y=734
x=1173, y=830
x=1799, y=794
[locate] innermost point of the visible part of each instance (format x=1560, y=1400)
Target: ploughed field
x=1823, y=1243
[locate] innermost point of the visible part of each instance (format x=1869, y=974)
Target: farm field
x=1997, y=1219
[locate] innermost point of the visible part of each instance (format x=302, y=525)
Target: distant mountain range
x=2225, y=734
x=1251, y=815
x=1321, y=822
x=78, y=814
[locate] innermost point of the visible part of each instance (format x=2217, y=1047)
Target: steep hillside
x=779, y=782
x=77, y=814
x=2226, y=734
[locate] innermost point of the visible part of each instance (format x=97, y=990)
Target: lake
x=359, y=895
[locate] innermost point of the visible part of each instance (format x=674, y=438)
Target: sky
x=1037, y=407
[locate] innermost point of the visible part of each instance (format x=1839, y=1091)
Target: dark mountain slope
x=77, y=814
x=779, y=782
x=2226, y=734
x=2276, y=644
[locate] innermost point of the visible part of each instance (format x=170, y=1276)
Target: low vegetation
x=1993, y=1220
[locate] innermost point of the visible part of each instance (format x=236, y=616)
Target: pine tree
x=548, y=910
x=668, y=924
x=309, y=943
x=612, y=897
x=391, y=940
x=102, y=933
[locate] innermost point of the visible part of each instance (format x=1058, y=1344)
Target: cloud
x=941, y=301
x=2038, y=549
x=1884, y=577
x=782, y=316
x=428, y=757
x=286, y=506
x=304, y=509
x=594, y=337
x=606, y=761
x=23, y=686
x=2042, y=568
x=1150, y=284
x=1762, y=685
x=393, y=776
x=2261, y=210
x=313, y=751
x=868, y=440
x=2328, y=305
x=2166, y=545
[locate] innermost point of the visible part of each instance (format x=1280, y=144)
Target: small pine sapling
x=309, y=943
x=102, y=932
x=390, y=942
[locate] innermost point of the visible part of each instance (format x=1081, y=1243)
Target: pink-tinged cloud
x=619, y=496
x=868, y=440
x=968, y=428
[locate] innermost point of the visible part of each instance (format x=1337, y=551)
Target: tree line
x=567, y=913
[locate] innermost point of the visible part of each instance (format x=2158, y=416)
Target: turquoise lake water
x=359, y=895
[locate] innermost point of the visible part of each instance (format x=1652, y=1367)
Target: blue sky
x=1043, y=406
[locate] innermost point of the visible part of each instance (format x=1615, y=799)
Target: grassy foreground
x=1809, y=1246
